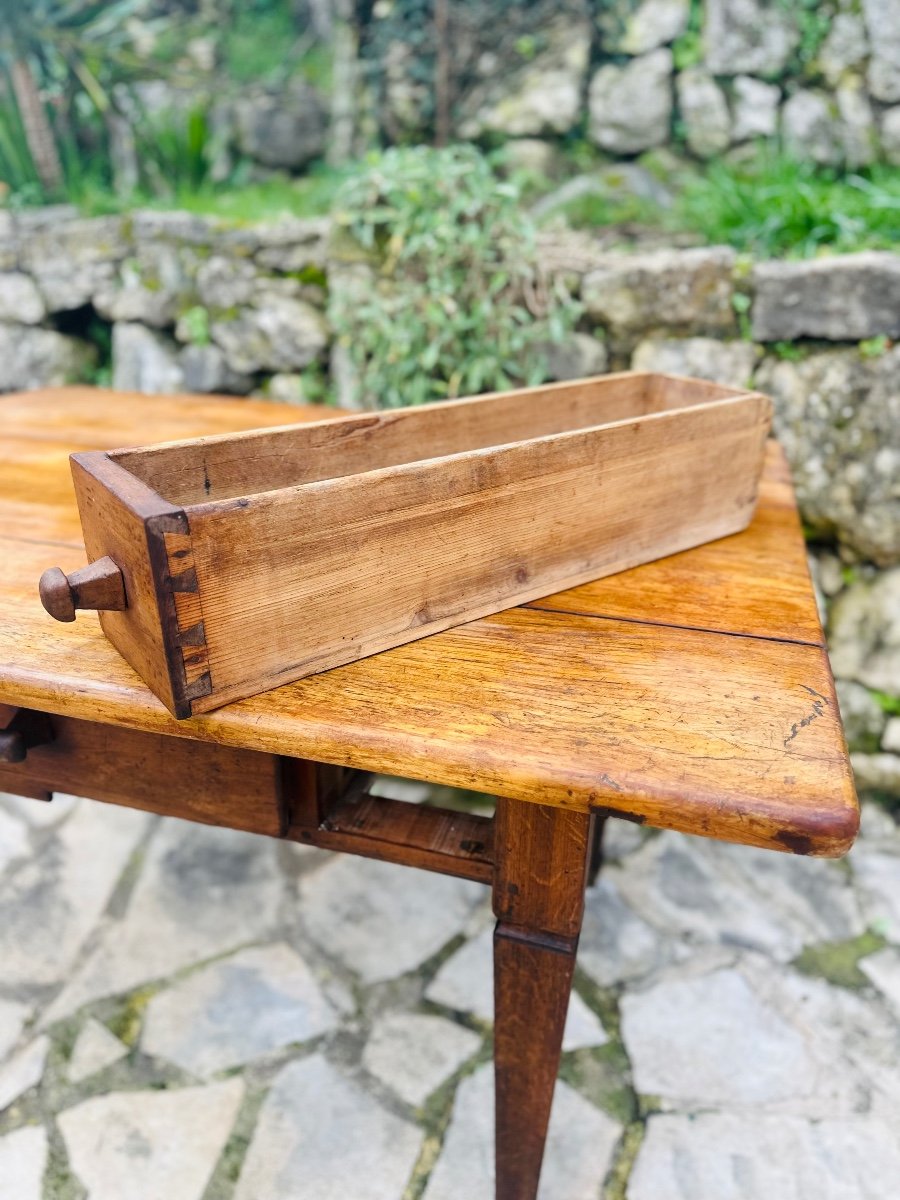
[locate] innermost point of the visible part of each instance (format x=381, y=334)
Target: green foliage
x=72, y=51
x=594, y=209
x=310, y=196
x=741, y=302
x=789, y=351
x=258, y=41
x=16, y=164
x=814, y=20
x=874, y=347
x=195, y=322
x=770, y=206
x=774, y=206
x=687, y=50
x=175, y=154
x=889, y=704
x=458, y=305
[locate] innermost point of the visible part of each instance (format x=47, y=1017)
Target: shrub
x=457, y=304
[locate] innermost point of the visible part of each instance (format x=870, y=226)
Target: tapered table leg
x=541, y=861
x=598, y=828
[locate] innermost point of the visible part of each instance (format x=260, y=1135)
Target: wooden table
x=693, y=693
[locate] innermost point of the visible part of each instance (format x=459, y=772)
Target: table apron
x=258, y=792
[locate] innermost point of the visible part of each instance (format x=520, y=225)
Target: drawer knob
x=98, y=586
x=20, y=729
x=12, y=746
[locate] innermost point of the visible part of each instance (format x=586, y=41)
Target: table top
x=691, y=693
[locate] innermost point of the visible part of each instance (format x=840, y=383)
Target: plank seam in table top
x=537, y=606
x=759, y=637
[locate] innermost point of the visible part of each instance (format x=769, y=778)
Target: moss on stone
x=311, y=274
x=838, y=962
x=59, y=1181
x=603, y=1075
x=615, y=1187
x=126, y=1022
x=435, y=1115
x=231, y=1160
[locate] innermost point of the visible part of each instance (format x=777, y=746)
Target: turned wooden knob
x=98, y=586
x=20, y=729
x=12, y=746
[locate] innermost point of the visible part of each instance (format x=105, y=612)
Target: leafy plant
x=457, y=304
x=17, y=169
x=60, y=59
x=814, y=20
x=174, y=154
x=258, y=41
x=741, y=302
x=789, y=351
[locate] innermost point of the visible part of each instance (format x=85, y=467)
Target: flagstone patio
x=197, y=1014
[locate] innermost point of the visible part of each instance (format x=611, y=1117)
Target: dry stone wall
x=706, y=76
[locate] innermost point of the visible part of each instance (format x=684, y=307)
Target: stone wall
x=708, y=76
x=168, y=302
x=704, y=77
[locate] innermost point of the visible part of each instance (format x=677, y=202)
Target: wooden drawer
x=217, y=785
x=225, y=566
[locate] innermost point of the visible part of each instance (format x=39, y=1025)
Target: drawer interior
x=235, y=465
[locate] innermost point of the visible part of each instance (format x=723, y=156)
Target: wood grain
x=216, y=785
x=431, y=839
x=532, y=986
x=541, y=861
x=682, y=728
x=755, y=583
x=541, y=865
x=114, y=509
x=299, y=581
x=223, y=467
x=188, y=631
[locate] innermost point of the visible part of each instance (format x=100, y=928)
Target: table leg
x=541, y=860
x=598, y=828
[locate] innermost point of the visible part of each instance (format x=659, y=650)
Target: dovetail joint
x=189, y=617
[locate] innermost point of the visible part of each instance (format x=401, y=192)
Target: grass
x=309, y=196
x=767, y=207
x=770, y=206
x=776, y=207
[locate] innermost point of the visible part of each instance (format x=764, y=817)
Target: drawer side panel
x=301, y=581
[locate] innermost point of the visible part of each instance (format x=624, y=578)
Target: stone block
x=752, y=37
x=679, y=291
x=151, y=1144
x=741, y=1156
x=320, y=1134
x=32, y=357
x=704, y=111
x=731, y=363
x=630, y=106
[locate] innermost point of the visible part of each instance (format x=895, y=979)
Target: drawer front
x=177, y=777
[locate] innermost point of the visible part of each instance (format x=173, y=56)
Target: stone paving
x=194, y=1014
